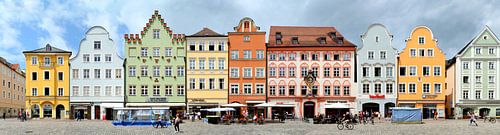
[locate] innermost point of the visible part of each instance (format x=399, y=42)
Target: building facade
x=207, y=70
x=449, y=87
x=293, y=51
x=247, y=66
x=96, y=76
x=155, y=67
x=376, y=68
x=477, y=76
x=12, y=100
x=421, y=77
x=47, y=81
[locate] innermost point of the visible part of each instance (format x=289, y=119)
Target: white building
x=96, y=84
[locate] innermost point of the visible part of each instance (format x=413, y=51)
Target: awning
x=255, y=102
x=234, y=105
x=218, y=109
x=274, y=105
x=154, y=104
x=338, y=106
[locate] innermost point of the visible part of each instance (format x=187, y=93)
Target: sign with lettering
x=157, y=100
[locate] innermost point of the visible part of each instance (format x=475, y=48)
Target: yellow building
x=422, y=74
x=207, y=72
x=47, y=82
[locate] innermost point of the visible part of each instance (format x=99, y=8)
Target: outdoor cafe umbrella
x=219, y=109
x=234, y=105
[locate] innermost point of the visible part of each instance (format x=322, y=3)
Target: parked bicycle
x=345, y=124
x=490, y=119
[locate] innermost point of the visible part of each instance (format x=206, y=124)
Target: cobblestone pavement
x=94, y=127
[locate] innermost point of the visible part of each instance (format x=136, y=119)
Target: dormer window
x=278, y=35
x=340, y=40
x=376, y=39
x=48, y=48
x=421, y=40
x=279, y=42
x=322, y=40
x=295, y=40
x=332, y=34
x=485, y=37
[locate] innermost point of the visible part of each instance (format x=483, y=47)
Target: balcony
x=46, y=65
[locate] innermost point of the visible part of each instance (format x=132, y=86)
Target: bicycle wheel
x=340, y=126
x=155, y=125
x=349, y=126
x=493, y=120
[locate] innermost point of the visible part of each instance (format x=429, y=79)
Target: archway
x=59, y=111
x=387, y=108
x=47, y=110
x=465, y=112
x=309, y=109
x=484, y=112
x=35, y=111
x=371, y=107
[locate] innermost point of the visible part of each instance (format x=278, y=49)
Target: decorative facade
x=12, y=99
x=376, y=71
x=293, y=51
x=47, y=82
x=96, y=76
x=247, y=66
x=207, y=70
x=155, y=67
x=421, y=77
x=477, y=76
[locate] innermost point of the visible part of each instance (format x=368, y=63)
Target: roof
x=14, y=67
x=450, y=62
x=47, y=49
x=206, y=32
x=307, y=36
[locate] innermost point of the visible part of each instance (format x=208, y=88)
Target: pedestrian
x=472, y=119
x=177, y=121
x=435, y=115
x=3, y=116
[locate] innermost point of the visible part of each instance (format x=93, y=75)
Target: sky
x=31, y=24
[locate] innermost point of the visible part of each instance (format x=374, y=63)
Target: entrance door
x=97, y=115
x=371, y=107
x=47, y=111
x=387, y=108
x=484, y=112
x=59, y=111
x=309, y=109
x=109, y=113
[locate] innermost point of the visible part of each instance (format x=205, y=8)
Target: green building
x=155, y=67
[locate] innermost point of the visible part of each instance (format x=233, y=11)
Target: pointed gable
x=485, y=37
x=155, y=18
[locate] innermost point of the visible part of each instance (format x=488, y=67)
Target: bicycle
x=347, y=124
x=160, y=124
x=490, y=119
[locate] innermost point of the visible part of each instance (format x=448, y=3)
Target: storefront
x=175, y=108
x=194, y=108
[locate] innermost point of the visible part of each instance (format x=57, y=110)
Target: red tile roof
x=307, y=36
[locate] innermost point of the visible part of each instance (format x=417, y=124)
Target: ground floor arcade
x=52, y=109
x=93, y=110
x=380, y=105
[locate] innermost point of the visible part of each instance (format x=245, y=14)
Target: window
x=478, y=65
x=412, y=88
x=46, y=75
x=97, y=45
x=260, y=54
x=491, y=50
x=304, y=56
x=291, y=56
x=118, y=73
x=192, y=83
x=86, y=73
x=465, y=79
x=97, y=90
x=303, y=90
x=192, y=46
x=234, y=55
x=234, y=72
x=491, y=65
x=402, y=88
x=327, y=90
x=97, y=73
x=86, y=90
x=97, y=58
x=413, y=71
x=107, y=57
x=211, y=83
x=295, y=40
x=60, y=76
x=336, y=90
x=201, y=46
x=327, y=56
x=156, y=90
x=221, y=83
x=347, y=91
x=86, y=57
x=315, y=57
x=246, y=38
x=201, y=64
x=326, y=72
x=144, y=90
x=413, y=52
x=491, y=79
x=388, y=71
x=389, y=89
x=466, y=65
x=478, y=50
x=180, y=90
x=282, y=91
x=315, y=71
x=303, y=71
x=118, y=90
x=211, y=46
x=156, y=71
x=221, y=45
x=211, y=64
x=437, y=71
x=234, y=88
x=46, y=61
x=156, y=34
x=346, y=72
x=259, y=89
x=426, y=88
x=222, y=63
x=382, y=55
x=282, y=72
x=131, y=70
x=272, y=71
x=144, y=71
x=259, y=72
x=366, y=71
x=247, y=72
x=34, y=76
x=60, y=60
x=430, y=52
x=247, y=88
x=291, y=71
x=421, y=52
x=46, y=91
x=378, y=71
x=156, y=51
x=421, y=40
x=272, y=90
x=491, y=94
x=478, y=79
x=144, y=51
x=370, y=55
x=347, y=57
x=202, y=84
x=247, y=54
x=108, y=90
x=34, y=60
x=281, y=57
x=426, y=70
x=168, y=90
x=34, y=92
x=366, y=88
x=437, y=88
x=272, y=56
x=478, y=94
x=465, y=94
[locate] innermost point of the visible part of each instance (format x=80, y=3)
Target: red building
x=292, y=52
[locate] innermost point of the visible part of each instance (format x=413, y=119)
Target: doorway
x=47, y=111
x=97, y=112
x=59, y=111
x=428, y=111
x=309, y=109
x=387, y=108
x=484, y=112
x=371, y=107
x=109, y=113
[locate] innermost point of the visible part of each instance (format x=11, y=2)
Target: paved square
x=70, y=127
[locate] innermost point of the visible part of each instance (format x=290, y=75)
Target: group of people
x=280, y=115
x=362, y=117
x=22, y=116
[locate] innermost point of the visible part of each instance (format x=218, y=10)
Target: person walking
x=3, y=116
x=472, y=119
x=177, y=121
x=435, y=115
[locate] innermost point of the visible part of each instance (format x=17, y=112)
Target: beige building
x=449, y=87
x=12, y=89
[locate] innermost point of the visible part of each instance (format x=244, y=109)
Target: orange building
x=247, y=66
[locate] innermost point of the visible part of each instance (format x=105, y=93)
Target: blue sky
x=30, y=24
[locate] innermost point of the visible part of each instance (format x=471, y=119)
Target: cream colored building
x=12, y=89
